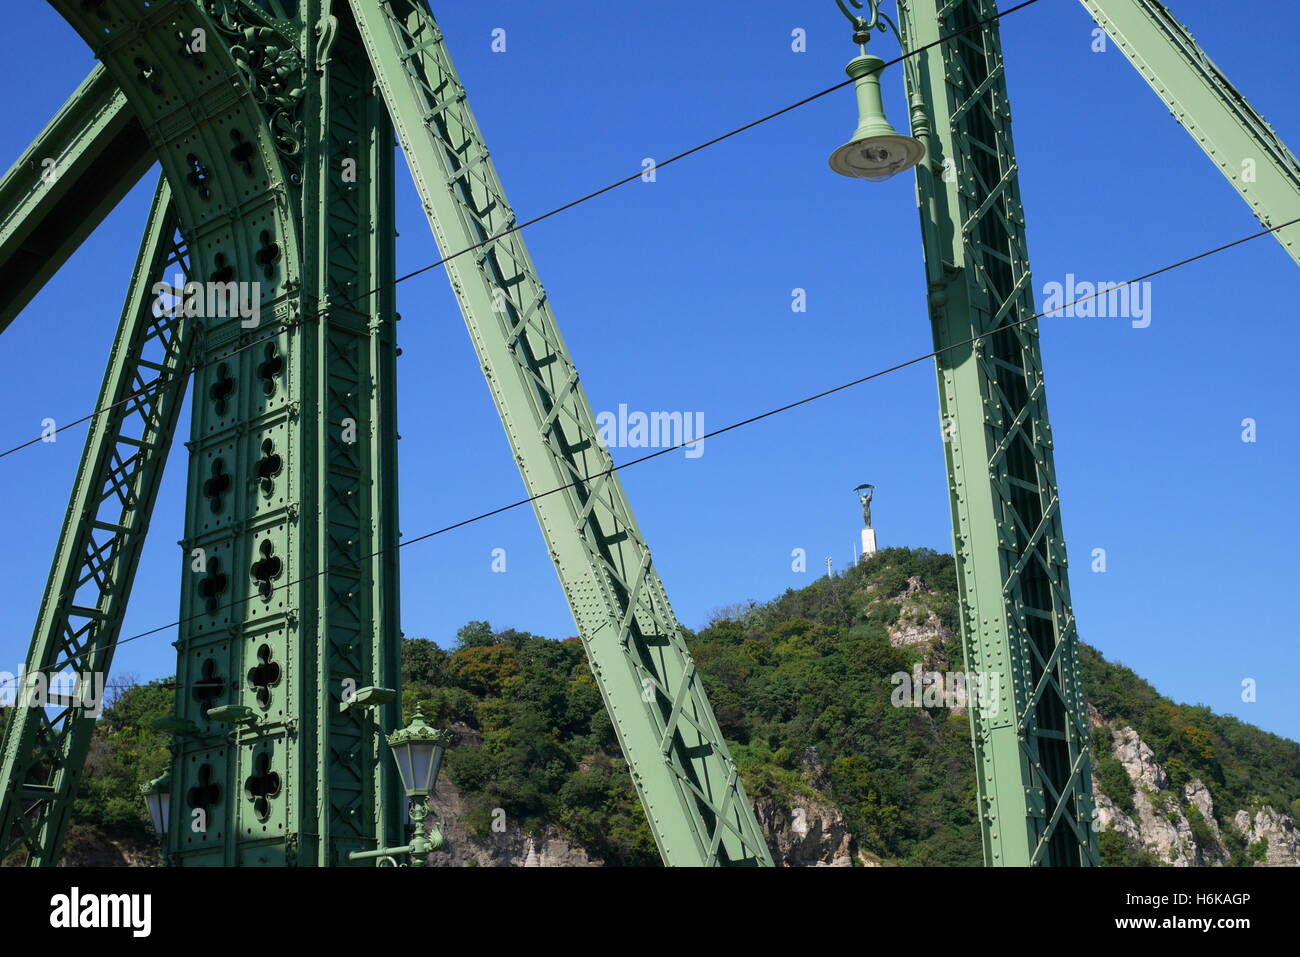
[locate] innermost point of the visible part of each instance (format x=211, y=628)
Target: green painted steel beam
x=1245, y=148
x=62, y=187
x=1018, y=628
x=291, y=499
x=279, y=157
x=99, y=547
x=352, y=234
x=688, y=783
x=208, y=119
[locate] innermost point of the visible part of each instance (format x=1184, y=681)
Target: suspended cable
x=709, y=435
x=182, y=378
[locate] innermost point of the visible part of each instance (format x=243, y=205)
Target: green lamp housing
x=158, y=799
x=418, y=750
x=877, y=151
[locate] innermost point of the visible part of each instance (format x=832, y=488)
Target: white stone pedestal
x=868, y=542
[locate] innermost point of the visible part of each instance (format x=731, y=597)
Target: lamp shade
x=418, y=750
x=158, y=799
x=877, y=151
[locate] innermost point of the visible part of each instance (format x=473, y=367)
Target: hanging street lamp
x=876, y=150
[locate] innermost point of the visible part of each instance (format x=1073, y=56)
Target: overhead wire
x=786, y=407
x=281, y=330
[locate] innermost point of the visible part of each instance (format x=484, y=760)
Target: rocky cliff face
x=503, y=846
x=802, y=830
x=806, y=832
x=918, y=626
x=1277, y=831
x=1162, y=819
x=87, y=846
x=807, y=829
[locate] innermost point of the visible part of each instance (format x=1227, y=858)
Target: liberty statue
x=864, y=496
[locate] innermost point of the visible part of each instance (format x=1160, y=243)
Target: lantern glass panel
x=402, y=755
x=159, y=803
x=421, y=765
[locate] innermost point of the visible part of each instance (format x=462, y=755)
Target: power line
x=529, y=222
x=725, y=429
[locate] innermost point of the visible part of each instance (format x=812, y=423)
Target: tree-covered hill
x=804, y=688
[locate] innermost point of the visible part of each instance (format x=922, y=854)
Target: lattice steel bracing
x=76, y=171
x=277, y=147
x=358, y=611
x=275, y=143
x=687, y=780
x=99, y=547
x=1031, y=738
x=1199, y=95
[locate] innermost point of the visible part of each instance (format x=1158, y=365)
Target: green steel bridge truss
x=290, y=582
x=273, y=122
x=1018, y=629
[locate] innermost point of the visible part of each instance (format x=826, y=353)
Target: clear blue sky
x=676, y=296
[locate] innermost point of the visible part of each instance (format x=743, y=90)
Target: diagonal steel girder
x=98, y=551
x=680, y=765
x=62, y=187
x=1240, y=142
